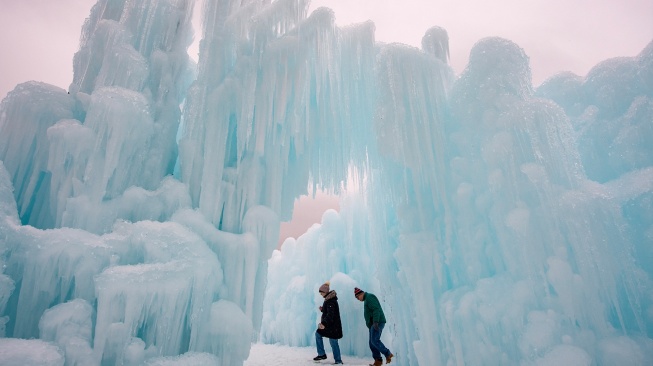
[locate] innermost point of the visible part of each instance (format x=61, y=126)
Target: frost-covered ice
x=498, y=223
x=33, y=352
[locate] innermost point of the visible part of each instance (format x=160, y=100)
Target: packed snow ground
x=278, y=355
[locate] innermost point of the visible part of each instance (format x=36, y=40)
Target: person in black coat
x=330, y=325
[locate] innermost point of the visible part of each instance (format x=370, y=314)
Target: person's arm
x=328, y=314
x=376, y=312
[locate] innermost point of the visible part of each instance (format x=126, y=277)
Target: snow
x=280, y=355
x=23, y=352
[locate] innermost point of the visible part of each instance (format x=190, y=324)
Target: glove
x=376, y=326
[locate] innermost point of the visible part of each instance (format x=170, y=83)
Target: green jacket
x=372, y=310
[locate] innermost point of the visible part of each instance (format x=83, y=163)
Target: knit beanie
x=357, y=291
x=325, y=287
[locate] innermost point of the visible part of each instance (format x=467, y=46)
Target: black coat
x=331, y=317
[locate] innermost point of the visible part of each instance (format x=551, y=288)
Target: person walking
x=375, y=321
x=330, y=325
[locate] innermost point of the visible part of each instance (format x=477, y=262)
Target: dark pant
x=334, y=347
x=376, y=345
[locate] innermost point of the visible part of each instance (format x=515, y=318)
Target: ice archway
x=477, y=223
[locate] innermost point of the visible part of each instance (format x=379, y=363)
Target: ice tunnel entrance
x=307, y=211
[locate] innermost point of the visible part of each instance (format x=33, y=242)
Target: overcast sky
x=38, y=38
x=557, y=35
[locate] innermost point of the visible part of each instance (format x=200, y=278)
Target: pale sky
x=557, y=35
x=38, y=38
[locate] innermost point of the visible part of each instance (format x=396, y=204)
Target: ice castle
x=498, y=223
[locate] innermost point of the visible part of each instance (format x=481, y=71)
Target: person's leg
x=319, y=342
x=375, y=351
x=336, y=350
x=375, y=340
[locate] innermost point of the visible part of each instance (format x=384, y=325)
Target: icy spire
x=436, y=42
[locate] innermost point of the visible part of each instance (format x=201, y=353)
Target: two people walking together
x=331, y=326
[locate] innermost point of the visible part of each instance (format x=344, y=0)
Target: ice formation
x=505, y=225
x=498, y=223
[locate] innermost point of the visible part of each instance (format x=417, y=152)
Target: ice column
x=131, y=75
x=27, y=113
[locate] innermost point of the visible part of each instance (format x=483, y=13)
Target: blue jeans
x=334, y=347
x=376, y=345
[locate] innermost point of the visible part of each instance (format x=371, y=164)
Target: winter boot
x=378, y=362
x=319, y=358
x=389, y=358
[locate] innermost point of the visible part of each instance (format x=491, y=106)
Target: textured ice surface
x=33, y=352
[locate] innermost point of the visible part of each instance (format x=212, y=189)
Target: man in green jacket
x=375, y=321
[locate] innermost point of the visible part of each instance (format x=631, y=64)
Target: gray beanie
x=325, y=287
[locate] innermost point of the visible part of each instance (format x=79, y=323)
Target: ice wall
x=266, y=110
x=489, y=241
x=115, y=127
x=263, y=118
x=95, y=229
x=144, y=290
